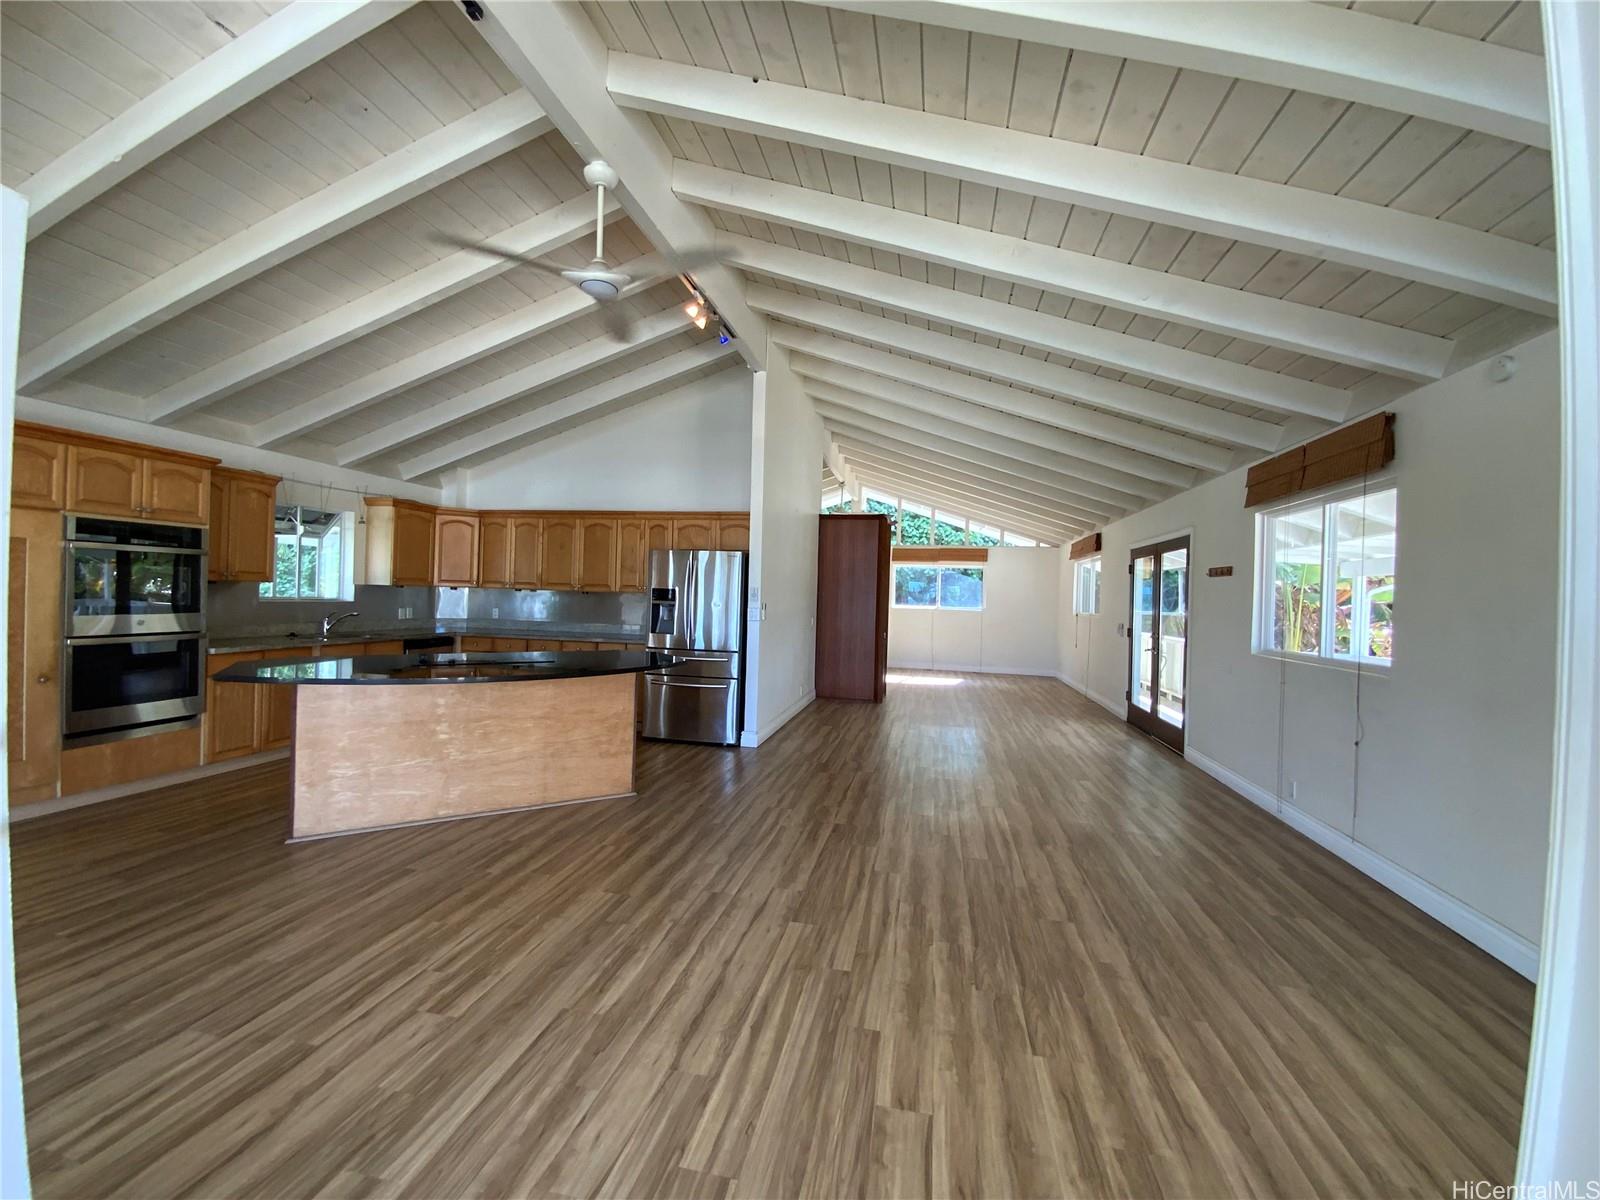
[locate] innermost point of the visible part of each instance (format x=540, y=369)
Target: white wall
x=688, y=448
x=787, y=443
x=1452, y=780
x=1014, y=634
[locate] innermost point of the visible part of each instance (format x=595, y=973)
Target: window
x=982, y=535
x=835, y=500
x=1325, y=579
x=949, y=530
x=1016, y=539
x=312, y=556
x=916, y=524
x=1088, y=590
x=959, y=588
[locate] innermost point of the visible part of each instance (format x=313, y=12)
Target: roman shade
x=1086, y=547
x=1357, y=449
x=940, y=554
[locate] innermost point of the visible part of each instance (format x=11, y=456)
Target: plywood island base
x=374, y=756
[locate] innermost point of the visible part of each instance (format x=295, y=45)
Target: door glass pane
x=1142, y=634
x=1174, y=633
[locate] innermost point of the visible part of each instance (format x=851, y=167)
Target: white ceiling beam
x=965, y=456
x=1304, y=47
x=1067, y=382
x=539, y=317
x=547, y=372
x=557, y=416
x=1231, y=206
x=979, y=444
x=1158, y=294
x=454, y=273
x=909, y=483
x=556, y=54
x=1143, y=449
x=959, y=472
x=1087, y=451
x=867, y=457
x=427, y=162
x=1054, y=335
x=287, y=42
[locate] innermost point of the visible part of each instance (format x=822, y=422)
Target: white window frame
x=1084, y=567
x=1264, y=597
x=938, y=604
x=347, y=555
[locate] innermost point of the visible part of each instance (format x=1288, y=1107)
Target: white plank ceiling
x=1094, y=276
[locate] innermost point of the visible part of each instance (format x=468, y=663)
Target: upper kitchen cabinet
x=597, y=554
x=243, y=538
x=101, y=480
x=38, y=472
x=632, y=559
x=455, y=548
x=400, y=542
x=494, y=550
x=733, y=533
x=527, y=541
x=694, y=533
x=123, y=479
x=558, y=557
x=175, y=490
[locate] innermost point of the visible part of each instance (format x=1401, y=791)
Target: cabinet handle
x=44, y=679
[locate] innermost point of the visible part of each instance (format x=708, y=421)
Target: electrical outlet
x=495, y=613
x=1294, y=788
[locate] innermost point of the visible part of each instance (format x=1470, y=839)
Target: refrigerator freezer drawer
x=705, y=664
x=691, y=710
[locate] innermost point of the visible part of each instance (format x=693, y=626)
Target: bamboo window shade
x=1086, y=547
x=1357, y=449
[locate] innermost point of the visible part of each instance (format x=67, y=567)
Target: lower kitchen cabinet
x=275, y=721
x=230, y=720
x=476, y=645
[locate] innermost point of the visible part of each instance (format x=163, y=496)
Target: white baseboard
x=972, y=669
x=1511, y=948
x=1117, y=706
x=754, y=737
x=118, y=790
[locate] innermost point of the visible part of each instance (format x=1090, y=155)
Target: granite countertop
x=436, y=667
x=243, y=643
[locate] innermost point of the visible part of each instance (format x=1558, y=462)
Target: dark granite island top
x=442, y=668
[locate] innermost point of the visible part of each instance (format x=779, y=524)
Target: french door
x=1158, y=639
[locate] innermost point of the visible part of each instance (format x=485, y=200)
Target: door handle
x=722, y=687
x=43, y=679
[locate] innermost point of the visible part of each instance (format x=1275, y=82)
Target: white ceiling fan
x=596, y=280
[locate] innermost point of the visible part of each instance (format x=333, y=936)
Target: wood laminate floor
x=981, y=941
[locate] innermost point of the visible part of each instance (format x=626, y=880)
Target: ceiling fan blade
x=527, y=260
x=618, y=323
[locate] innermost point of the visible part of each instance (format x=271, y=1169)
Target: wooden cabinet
x=175, y=491
x=657, y=535
x=632, y=561
x=558, y=558
x=543, y=644
x=597, y=554
x=105, y=481
x=33, y=685
x=275, y=708
x=244, y=508
x=494, y=550
x=733, y=533
x=455, y=548
x=230, y=720
x=38, y=472
x=517, y=645
x=527, y=544
x=381, y=648
x=400, y=538
x=694, y=533
x=476, y=645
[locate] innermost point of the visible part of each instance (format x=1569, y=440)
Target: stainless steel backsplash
x=557, y=608
x=237, y=609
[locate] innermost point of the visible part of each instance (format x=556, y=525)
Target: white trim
x=973, y=668
x=754, y=737
x=117, y=791
x=1511, y=948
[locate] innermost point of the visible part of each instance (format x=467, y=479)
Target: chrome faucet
x=329, y=621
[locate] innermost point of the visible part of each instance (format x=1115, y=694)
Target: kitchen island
x=388, y=740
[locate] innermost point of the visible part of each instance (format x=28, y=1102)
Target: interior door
x=1158, y=639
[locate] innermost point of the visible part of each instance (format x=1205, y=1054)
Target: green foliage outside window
x=946, y=534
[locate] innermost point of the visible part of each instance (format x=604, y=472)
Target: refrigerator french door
x=697, y=614
x=1158, y=640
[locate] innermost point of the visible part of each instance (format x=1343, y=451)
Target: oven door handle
x=136, y=637
x=135, y=547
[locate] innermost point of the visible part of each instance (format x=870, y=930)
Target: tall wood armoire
x=852, y=606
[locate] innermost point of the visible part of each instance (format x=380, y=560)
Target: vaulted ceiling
x=1063, y=260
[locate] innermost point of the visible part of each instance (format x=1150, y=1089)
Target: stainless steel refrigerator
x=696, y=613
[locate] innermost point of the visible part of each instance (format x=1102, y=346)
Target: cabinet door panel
x=558, y=560
x=251, y=540
x=543, y=644
x=175, y=491
x=733, y=533
x=230, y=720
x=38, y=473
x=527, y=541
x=455, y=550
x=413, y=547
x=217, y=552
x=694, y=533
x=494, y=552
x=476, y=645
x=631, y=555
x=516, y=644
x=597, y=554
x=34, y=650
x=104, y=481
x=276, y=708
